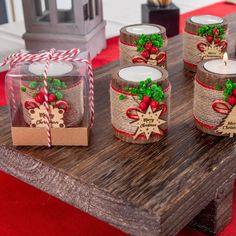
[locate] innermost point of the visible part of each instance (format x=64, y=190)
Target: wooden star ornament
x=148, y=123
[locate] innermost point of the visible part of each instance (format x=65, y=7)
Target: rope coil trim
x=47, y=56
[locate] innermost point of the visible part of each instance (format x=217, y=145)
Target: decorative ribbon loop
x=221, y=107
x=202, y=46
x=131, y=112
x=164, y=109
x=161, y=57
x=139, y=59
x=223, y=44
x=47, y=56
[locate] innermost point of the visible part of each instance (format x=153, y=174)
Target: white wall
x=119, y=11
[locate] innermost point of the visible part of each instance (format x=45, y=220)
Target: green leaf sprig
x=208, y=30
x=229, y=86
x=156, y=39
x=54, y=87
x=146, y=88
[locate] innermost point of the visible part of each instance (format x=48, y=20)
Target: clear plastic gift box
x=69, y=102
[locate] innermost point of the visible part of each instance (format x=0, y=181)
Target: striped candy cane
x=52, y=55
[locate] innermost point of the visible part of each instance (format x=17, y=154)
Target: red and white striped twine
x=47, y=56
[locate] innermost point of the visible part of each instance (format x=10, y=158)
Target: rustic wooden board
x=154, y=189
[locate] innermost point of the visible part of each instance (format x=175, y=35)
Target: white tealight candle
x=207, y=19
x=143, y=29
x=55, y=68
x=140, y=73
x=222, y=67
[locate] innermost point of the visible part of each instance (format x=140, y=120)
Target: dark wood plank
x=154, y=189
x=218, y=213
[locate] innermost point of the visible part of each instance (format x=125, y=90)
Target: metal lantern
x=77, y=23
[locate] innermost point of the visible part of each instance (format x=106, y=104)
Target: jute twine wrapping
x=72, y=94
x=121, y=123
x=128, y=49
x=191, y=54
x=202, y=106
x=205, y=95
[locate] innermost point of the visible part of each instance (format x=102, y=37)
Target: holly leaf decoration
x=54, y=87
x=215, y=31
x=148, y=88
x=228, y=91
x=156, y=40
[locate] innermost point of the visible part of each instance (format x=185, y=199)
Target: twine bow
x=47, y=57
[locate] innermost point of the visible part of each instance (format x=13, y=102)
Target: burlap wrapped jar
x=72, y=96
x=126, y=112
x=197, y=48
x=130, y=51
x=214, y=111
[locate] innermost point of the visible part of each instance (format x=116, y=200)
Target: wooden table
x=154, y=189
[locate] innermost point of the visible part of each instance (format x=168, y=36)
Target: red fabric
x=2, y=89
x=108, y=55
x=26, y=211
x=219, y=9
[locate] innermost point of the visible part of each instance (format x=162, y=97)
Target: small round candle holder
x=65, y=87
x=204, y=38
x=143, y=44
x=215, y=97
x=140, y=97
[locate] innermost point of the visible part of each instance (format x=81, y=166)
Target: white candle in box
x=55, y=68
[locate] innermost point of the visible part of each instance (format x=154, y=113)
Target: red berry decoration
x=209, y=38
x=146, y=99
x=234, y=92
x=148, y=46
x=42, y=91
x=52, y=97
x=143, y=106
x=217, y=40
x=39, y=98
x=154, y=50
x=154, y=104
x=232, y=100
x=145, y=54
x=215, y=31
x=30, y=105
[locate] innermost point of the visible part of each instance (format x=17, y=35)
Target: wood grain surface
x=154, y=189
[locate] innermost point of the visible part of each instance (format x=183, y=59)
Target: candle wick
x=225, y=63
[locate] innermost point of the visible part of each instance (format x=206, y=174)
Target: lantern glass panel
x=65, y=11
x=42, y=10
